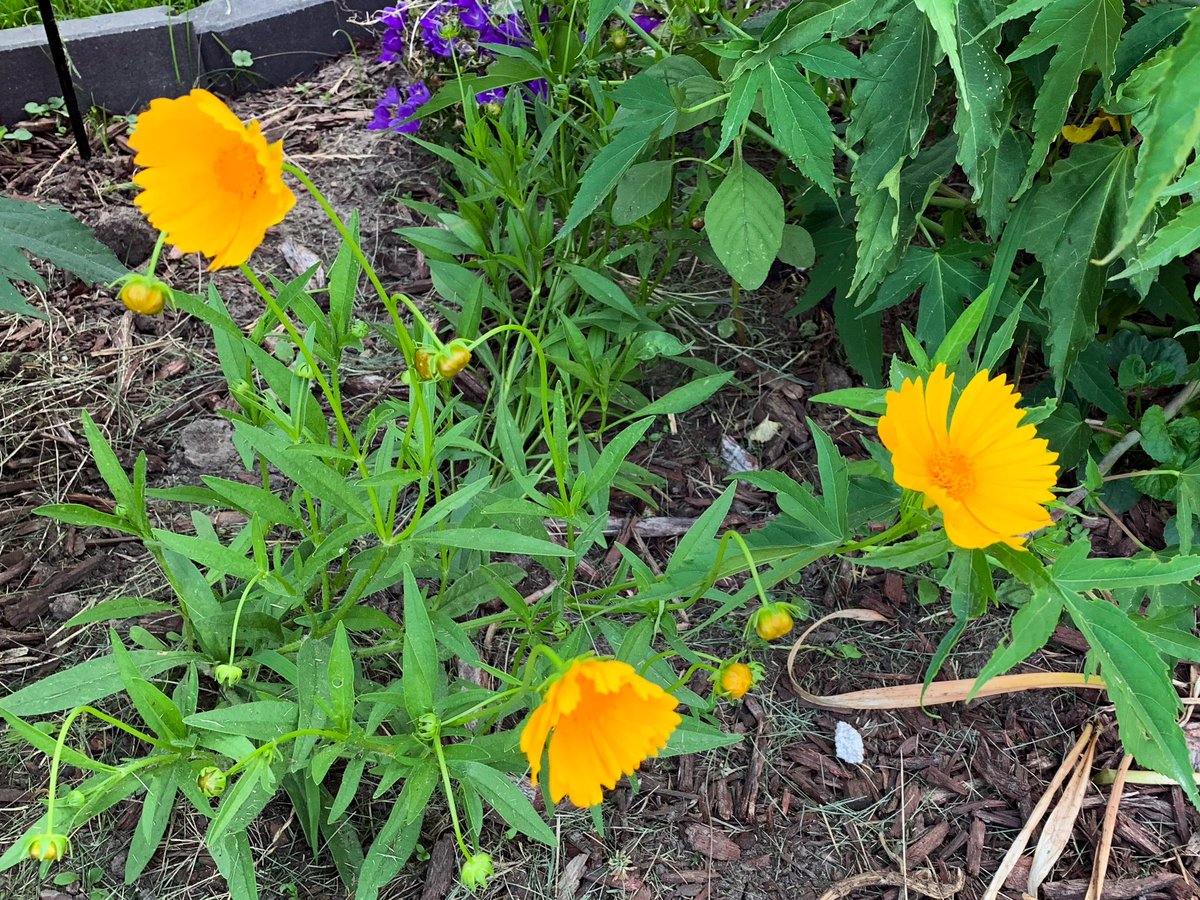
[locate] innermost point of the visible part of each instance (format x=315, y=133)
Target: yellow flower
x=211, y=183
x=1077, y=134
x=987, y=473
x=606, y=720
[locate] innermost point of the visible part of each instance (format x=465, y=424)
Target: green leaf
x=88, y=682
x=211, y=554
x=1031, y=628
x=157, y=805
x=641, y=190
x=946, y=277
x=943, y=17
x=84, y=516
x=52, y=234
x=607, y=168
x=156, y=709
x=744, y=224
x=890, y=118
x=398, y=837
x=982, y=87
x=259, y=720
x=47, y=744
x=490, y=540
x=235, y=862
x=683, y=398
x=797, y=248
x=1083, y=35
x=1177, y=238
x=341, y=679
x=1139, y=685
x=1076, y=572
x=118, y=608
x=506, y=798
x=1169, y=133
x=1187, y=505
x=803, y=24
x=694, y=736
x=1074, y=220
x=799, y=120
x=419, y=657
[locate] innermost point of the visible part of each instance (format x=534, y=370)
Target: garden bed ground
x=776, y=816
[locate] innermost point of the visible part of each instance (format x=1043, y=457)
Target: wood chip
x=571, y=878
x=925, y=885
x=1127, y=889
x=711, y=843
x=442, y=869
x=920, y=849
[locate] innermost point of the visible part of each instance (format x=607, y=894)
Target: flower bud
x=120, y=511
x=75, y=799
x=453, y=360
x=144, y=295
x=227, y=675
x=773, y=621
x=476, y=871
x=211, y=781
x=561, y=630
x=618, y=38
x=360, y=329
x=423, y=363
x=428, y=727
x=735, y=679
x=493, y=108
x=49, y=847
x=305, y=371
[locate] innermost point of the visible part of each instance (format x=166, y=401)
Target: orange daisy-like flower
x=603, y=720
x=211, y=183
x=987, y=473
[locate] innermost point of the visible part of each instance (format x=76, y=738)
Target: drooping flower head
x=987, y=473
x=211, y=183
x=602, y=720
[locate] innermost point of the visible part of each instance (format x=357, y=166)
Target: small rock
x=207, y=444
x=64, y=606
x=126, y=233
x=711, y=843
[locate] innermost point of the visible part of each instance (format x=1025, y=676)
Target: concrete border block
x=121, y=61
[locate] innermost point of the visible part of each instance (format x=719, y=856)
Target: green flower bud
x=75, y=799
x=428, y=727
x=360, y=329
x=49, y=847
x=618, y=38
x=305, y=371
x=561, y=630
x=476, y=871
x=120, y=511
x=227, y=675
x=211, y=781
x=493, y=109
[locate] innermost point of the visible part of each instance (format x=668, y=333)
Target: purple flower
x=395, y=23
x=472, y=13
x=509, y=31
x=647, y=23
x=539, y=87
x=391, y=112
x=493, y=95
x=440, y=28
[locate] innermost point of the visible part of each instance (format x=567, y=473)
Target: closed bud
x=227, y=675
x=428, y=727
x=493, y=109
x=49, y=847
x=360, y=329
x=423, y=363
x=477, y=870
x=698, y=223
x=75, y=799
x=618, y=38
x=735, y=679
x=305, y=371
x=453, y=360
x=773, y=621
x=144, y=295
x=211, y=781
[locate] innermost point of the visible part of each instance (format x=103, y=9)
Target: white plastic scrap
x=848, y=743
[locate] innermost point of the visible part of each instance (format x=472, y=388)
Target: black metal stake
x=59, y=55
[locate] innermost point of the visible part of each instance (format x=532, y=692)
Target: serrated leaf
x=799, y=120
x=1169, y=133
x=1177, y=238
x=982, y=89
x=52, y=234
x=1074, y=220
x=890, y=119
x=744, y=224
x=943, y=17
x=1083, y=35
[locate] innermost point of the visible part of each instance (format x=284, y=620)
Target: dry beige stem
x=908, y=696
x=1022, y=840
x=927, y=886
x=1100, y=869
x=1061, y=821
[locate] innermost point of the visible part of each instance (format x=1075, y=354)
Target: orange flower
x=606, y=720
x=211, y=183
x=987, y=473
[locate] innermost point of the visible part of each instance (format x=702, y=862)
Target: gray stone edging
x=121, y=61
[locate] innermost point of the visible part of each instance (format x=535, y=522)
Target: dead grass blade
x=1061, y=821
x=909, y=696
x=1022, y=840
x=926, y=886
x=1100, y=868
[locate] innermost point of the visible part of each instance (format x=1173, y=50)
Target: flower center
x=952, y=472
x=238, y=170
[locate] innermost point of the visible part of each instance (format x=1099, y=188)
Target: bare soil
x=930, y=812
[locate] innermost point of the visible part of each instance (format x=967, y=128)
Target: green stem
x=449, y=790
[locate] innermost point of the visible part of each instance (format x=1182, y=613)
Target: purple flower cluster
x=393, y=109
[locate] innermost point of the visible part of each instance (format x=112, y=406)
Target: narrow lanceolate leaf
x=606, y=169
x=982, y=89
x=799, y=120
x=1083, y=35
x=1076, y=217
x=744, y=224
x=1170, y=132
x=890, y=119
